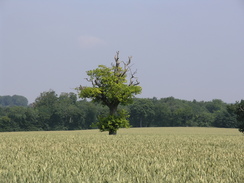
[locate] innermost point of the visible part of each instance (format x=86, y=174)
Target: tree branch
x=127, y=67
x=133, y=80
x=242, y=109
x=116, y=58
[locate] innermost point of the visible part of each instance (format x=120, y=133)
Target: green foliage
x=225, y=119
x=15, y=100
x=175, y=112
x=215, y=105
x=65, y=112
x=113, y=122
x=109, y=87
x=239, y=110
x=142, y=112
x=5, y=124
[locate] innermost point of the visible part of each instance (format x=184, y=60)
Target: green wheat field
x=211, y=155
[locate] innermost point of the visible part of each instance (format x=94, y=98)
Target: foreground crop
x=135, y=155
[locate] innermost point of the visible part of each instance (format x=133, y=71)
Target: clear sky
x=191, y=49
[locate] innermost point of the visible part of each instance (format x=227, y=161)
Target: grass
x=134, y=155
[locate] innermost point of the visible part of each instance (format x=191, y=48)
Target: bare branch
x=81, y=87
x=129, y=61
x=137, y=82
x=134, y=73
x=127, y=68
x=133, y=80
x=97, y=83
x=92, y=81
x=89, y=80
x=116, y=58
x=242, y=109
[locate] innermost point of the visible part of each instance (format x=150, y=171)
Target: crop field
x=134, y=155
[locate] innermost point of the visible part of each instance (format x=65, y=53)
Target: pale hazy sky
x=188, y=49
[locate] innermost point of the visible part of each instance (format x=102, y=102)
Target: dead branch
x=127, y=67
x=97, y=83
x=94, y=83
x=116, y=58
x=129, y=61
x=242, y=109
x=81, y=87
x=133, y=80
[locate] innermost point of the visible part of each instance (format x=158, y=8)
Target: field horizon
x=159, y=129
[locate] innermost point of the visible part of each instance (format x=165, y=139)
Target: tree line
x=66, y=112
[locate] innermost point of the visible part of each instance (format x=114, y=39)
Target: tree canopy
x=112, y=86
x=15, y=100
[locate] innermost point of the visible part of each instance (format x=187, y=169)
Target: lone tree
x=112, y=86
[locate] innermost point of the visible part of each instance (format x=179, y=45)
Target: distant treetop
x=15, y=100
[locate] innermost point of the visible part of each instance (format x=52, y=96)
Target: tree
x=215, y=105
x=142, y=112
x=239, y=110
x=66, y=114
x=110, y=88
x=15, y=100
x=225, y=119
x=6, y=100
x=162, y=113
x=19, y=100
x=5, y=124
x=45, y=105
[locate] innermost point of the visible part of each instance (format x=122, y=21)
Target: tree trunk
x=112, y=132
x=113, y=111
